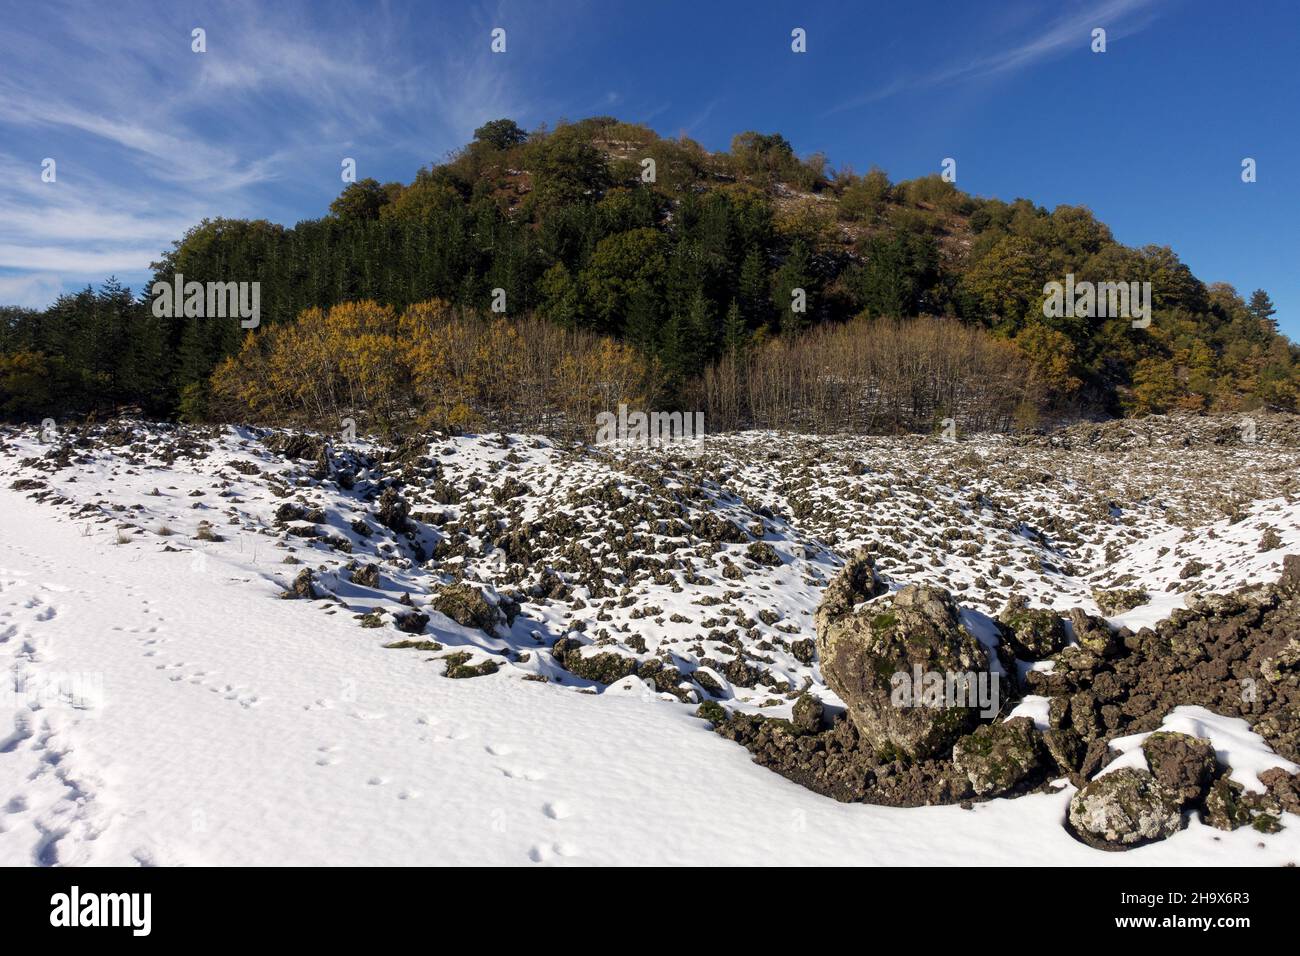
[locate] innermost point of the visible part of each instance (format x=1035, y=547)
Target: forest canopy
x=695, y=275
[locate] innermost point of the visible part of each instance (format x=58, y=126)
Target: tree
x=560, y=301
x=1262, y=310
x=1008, y=281
x=566, y=169
x=794, y=275
x=360, y=201
x=864, y=199
x=735, y=334
x=500, y=134
x=752, y=291
x=897, y=273
x=620, y=264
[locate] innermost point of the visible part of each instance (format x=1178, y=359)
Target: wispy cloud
x=1070, y=31
x=150, y=136
x=31, y=290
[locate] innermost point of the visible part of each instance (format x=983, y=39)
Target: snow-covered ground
x=234, y=728
x=211, y=723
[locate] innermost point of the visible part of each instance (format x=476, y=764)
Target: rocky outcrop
x=1125, y=808
x=1183, y=763
x=1033, y=633
x=303, y=586
x=871, y=655
x=465, y=604
x=394, y=513
x=998, y=757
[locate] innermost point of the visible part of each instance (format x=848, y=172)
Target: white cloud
x=151, y=138
x=33, y=290
x=1120, y=18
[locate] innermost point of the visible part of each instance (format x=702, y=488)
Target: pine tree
x=793, y=275
x=735, y=335
x=643, y=325
x=1261, y=308
x=753, y=288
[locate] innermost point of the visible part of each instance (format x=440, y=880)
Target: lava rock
x=807, y=718
x=1125, y=808
x=1033, y=633
x=1181, y=762
x=999, y=756
x=466, y=605
x=870, y=653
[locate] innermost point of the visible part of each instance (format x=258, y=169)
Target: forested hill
x=691, y=261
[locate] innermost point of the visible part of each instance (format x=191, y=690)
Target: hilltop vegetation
x=921, y=301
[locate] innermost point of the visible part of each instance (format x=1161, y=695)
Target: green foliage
x=360, y=201
x=693, y=268
x=500, y=134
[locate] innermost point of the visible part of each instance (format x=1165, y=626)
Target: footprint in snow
x=556, y=810
x=541, y=853
x=518, y=773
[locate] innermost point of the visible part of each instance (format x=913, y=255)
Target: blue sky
x=150, y=137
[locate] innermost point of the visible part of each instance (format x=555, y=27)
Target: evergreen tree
x=1261, y=308
x=735, y=335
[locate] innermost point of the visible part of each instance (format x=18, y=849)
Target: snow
x=1235, y=745
x=176, y=712
x=237, y=729
x=1035, y=707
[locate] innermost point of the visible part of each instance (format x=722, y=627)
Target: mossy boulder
x=367, y=575
x=807, y=715
x=712, y=711
x=1224, y=808
x=410, y=622
x=289, y=511
x=804, y=650
x=466, y=605
x=303, y=586
x=1229, y=805
x=1065, y=748
x=1094, y=635
x=1114, y=601
x=393, y=512
x=458, y=666
x=1183, y=763
x=869, y=652
x=999, y=756
x=1033, y=633
x=1125, y=808
x=603, y=667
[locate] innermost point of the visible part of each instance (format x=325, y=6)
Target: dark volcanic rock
x=1183, y=763
x=999, y=756
x=868, y=655
x=303, y=586
x=1125, y=808
x=1033, y=633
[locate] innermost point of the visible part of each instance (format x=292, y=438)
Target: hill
x=714, y=268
